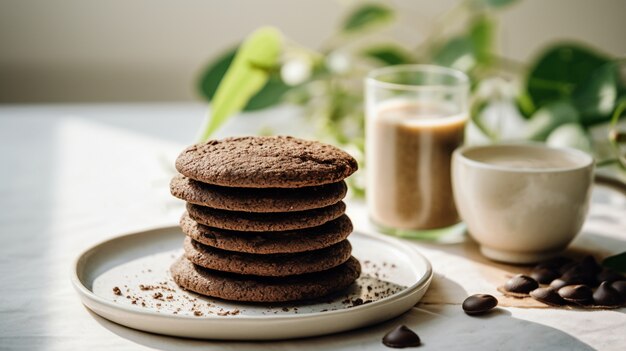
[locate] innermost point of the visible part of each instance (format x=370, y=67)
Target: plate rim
x=87, y=293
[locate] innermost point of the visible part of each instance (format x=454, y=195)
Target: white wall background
x=147, y=50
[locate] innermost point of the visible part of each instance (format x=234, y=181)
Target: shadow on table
x=439, y=327
x=443, y=291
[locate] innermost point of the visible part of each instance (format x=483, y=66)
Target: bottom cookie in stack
x=250, y=288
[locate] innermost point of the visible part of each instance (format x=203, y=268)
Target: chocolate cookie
x=291, y=241
x=257, y=200
x=236, y=287
x=262, y=222
x=270, y=265
x=265, y=162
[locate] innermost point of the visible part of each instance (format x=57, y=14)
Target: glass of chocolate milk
x=415, y=116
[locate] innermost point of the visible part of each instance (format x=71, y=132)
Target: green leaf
x=367, y=16
x=496, y=4
x=616, y=262
x=595, y=97
x=271, y=94
x=457, y=53
x=560, y=70
x=389, y=54
x=550, y=117
x=246, y=75
x=465, y=52
x=210, y=79
x=481, y=35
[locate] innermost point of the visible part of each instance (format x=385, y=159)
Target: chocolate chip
x=620, y=286
x=564, y=268
x=521, y=284
x=609, y=275
x=558, y=284
x=579, y=294
x=607, y=295
x=479, y=304
x=401, y=337
x=580, y=274
x=548, y=296
x=544, y=275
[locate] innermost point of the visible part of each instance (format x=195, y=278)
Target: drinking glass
x=415, y=118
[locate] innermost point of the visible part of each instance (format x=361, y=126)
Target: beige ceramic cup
x=522, y=202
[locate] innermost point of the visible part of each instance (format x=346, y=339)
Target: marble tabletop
x=75, y=175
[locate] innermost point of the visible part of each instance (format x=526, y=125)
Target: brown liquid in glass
x=409, y=152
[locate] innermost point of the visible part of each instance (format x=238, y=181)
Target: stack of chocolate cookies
x=264, y=221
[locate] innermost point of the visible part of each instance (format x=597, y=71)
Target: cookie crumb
x=117, y=291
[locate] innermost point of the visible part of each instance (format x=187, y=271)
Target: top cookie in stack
x=264, y=221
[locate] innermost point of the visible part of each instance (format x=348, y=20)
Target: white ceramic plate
x=394, y=279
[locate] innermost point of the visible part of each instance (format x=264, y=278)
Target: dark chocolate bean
x=566, y=267
x=579, y=274
x=609, y=275
x=558, y=284
x=401, y=337
x=479, y=304
x=548, y=296
x=579, y=294
x=544, y=275
x=607, y=295
x=620, y=286
x=521, y=284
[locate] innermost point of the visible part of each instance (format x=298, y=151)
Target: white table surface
x=75, y=175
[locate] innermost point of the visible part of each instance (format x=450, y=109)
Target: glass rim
x=462, y=80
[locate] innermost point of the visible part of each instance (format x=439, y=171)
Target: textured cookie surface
x=292, y=241
x=259, y=199
x=265, y=162
x=262, y=222
x=236, y=287
x=268, y=265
